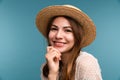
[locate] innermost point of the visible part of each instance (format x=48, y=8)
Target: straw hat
x=47, y=13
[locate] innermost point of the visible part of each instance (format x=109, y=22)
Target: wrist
x=53, y=76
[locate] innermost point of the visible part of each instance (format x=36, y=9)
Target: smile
x=59, y=44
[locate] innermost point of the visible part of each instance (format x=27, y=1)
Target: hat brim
x=46, y=14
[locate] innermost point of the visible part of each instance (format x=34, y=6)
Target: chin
x=61, y=50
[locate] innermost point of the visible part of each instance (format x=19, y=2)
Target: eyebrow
x=62, y=26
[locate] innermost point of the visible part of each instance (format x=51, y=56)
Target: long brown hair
x=67, y=72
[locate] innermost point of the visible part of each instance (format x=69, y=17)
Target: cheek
x=72, y=42
x=49, y=39
x=51, y=36
x=71, y=39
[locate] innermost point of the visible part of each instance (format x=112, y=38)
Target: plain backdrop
x=22, y=47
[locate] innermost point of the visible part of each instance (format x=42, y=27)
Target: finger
x=52, y=49
x=49, y=48
x=58, y=56
x=54, y=52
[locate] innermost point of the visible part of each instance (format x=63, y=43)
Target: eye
x=68, y=30
x=53, y=28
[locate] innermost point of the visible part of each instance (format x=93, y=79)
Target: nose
x=59, y=35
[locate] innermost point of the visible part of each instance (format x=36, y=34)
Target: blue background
x=22, y=47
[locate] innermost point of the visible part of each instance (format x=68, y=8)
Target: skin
x=61, y=40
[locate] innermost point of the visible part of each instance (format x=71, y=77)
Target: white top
x=87, y=68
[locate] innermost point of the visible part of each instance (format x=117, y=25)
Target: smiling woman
x=61, y=35
x=67, y=34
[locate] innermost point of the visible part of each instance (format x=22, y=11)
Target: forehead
x=61, y=26
x=61, y=21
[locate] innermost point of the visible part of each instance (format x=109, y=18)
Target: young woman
x=67, y=30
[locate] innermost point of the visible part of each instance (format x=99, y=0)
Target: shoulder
x=85, y=58
x=87, y=67
x=87, y=63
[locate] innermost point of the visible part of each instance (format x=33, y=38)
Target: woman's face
x=61, y=35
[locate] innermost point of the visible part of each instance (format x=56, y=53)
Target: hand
x=53, y=57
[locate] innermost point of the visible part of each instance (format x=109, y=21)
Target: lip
x=58, y=44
